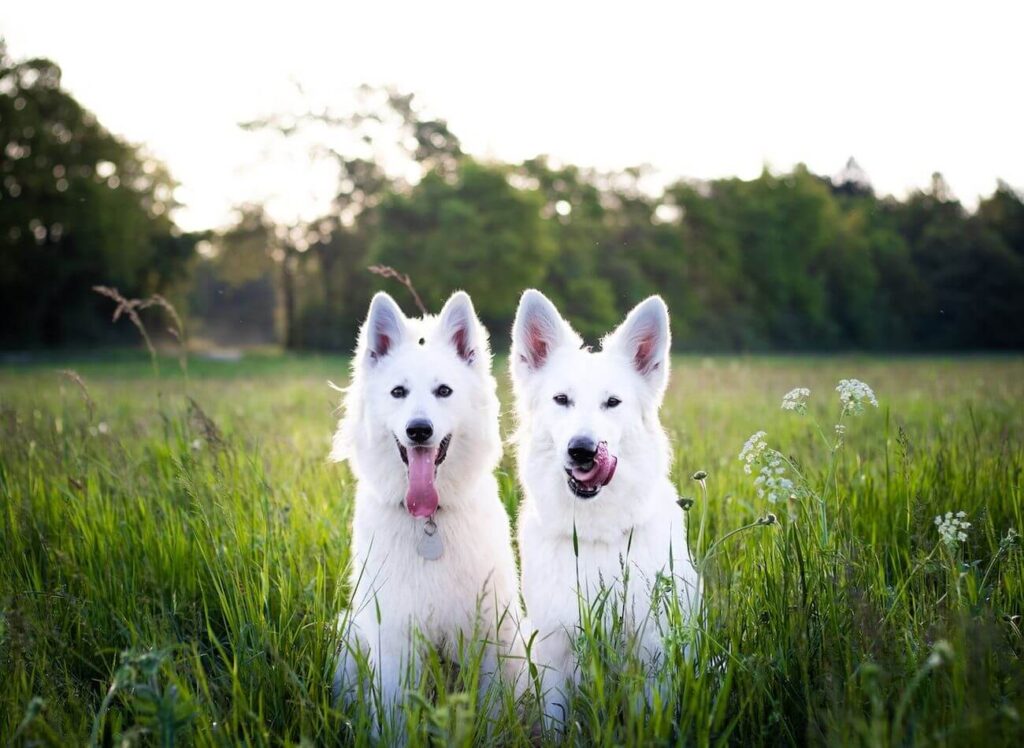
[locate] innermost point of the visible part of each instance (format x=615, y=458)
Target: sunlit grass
x=161, y=579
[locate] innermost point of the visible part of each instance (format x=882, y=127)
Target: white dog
x=594, y=460
x=432, y=553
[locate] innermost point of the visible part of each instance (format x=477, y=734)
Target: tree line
x=786, y=261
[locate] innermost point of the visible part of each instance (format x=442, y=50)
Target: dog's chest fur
x=627, y=561
x=438, y=596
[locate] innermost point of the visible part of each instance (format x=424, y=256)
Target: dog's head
x=421, y=411
x=593, y=414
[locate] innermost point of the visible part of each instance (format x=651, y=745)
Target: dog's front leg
x=556, y=665
x=396, y=666
x=490, y=698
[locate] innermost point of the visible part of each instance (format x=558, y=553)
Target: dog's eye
x=562, y=400
x=612, y=402
x=399, y=392
x=443, y=391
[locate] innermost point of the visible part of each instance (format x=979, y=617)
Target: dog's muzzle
x=591, y=467
x=442, y=451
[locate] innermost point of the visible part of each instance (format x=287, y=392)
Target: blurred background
x=790, y=177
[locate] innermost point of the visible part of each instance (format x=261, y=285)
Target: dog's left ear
x=459, y=325
x=645, y=341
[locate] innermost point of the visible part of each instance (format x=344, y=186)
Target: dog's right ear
x=538, y=330
x=384, y=328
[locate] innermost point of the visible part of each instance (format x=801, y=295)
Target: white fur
x=634, y=522
x=474, y=584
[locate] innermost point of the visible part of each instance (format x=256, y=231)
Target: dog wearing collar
x=432, y=558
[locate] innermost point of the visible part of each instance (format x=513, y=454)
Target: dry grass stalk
x=131, y=308
x=386, y=271
x=211, y=433
x=157, y=300
x=128, y=307
x=178, y=331
x=75, y=377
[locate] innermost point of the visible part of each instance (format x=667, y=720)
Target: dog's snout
x=582, y=449
x=419, y=430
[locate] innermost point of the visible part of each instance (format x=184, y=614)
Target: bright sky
x=695, y=89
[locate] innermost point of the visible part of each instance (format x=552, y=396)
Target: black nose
x=582, y=449
x=419, y=430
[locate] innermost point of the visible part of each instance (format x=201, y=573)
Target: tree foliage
x=473, y=231
x=792, y=261
x=785, y=261
x=78, y=207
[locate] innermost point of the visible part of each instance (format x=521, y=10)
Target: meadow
x=173, y=556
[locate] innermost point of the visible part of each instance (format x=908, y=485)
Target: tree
x=234, y=288
x=1003, y=213
x=781, y=230
x=852, y=181
x=713, y=295
x=474, y=232
x=78, y=207
x=323, y=282
x=575, y=219
x=972, y=282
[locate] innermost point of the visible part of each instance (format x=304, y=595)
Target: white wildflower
x=796, y=399
x=752, y=451
x=853, y=394
x=197, y=444
x=840, y=435
x=103, y=428
x=771, y=482
x=952, y=527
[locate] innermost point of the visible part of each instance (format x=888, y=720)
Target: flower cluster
x=771, y=482
x=853, y=395
x=753, y=451
x=840, y=435
x=796, y=399
x=952, y=527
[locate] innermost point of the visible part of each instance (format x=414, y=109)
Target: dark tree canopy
x=78, y=207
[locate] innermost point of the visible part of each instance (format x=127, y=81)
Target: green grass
x=172, y=576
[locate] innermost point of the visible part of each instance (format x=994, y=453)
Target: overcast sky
x=698, y=90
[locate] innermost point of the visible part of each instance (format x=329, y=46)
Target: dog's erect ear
x=644, y=340
x=458, y=323
x=538, y=330
x=384, y=327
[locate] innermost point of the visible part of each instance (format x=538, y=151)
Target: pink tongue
x=602, y=471
x=421, y=500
